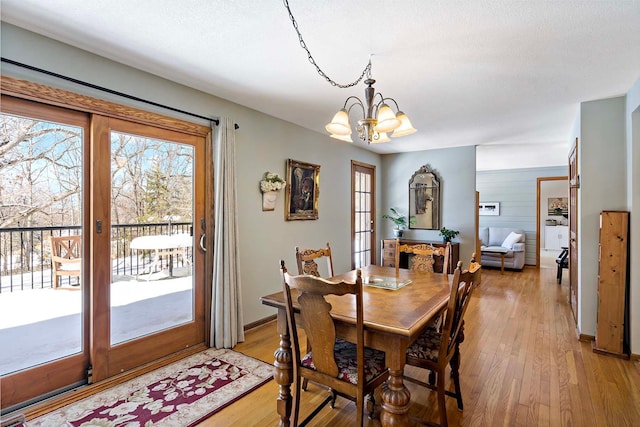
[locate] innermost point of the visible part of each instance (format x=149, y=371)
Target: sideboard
x=388, y=253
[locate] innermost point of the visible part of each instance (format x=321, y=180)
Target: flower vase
x=269, y=200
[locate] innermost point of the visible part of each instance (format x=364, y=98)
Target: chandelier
x=378, y=119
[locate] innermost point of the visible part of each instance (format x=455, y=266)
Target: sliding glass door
x=43, y=280
x=148, y=219
x=101, y=269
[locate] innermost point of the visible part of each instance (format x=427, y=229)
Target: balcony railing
x=25, y=254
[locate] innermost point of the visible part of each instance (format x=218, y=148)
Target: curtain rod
x=111, y=91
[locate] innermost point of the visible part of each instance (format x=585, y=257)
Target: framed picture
x=558, y=206
x=489, y=208
x=303, y=189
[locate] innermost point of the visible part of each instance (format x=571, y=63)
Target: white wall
x=456, y=167
x=632, y=115
x=603, y=182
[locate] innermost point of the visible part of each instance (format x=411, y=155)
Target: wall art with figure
x=303, y=189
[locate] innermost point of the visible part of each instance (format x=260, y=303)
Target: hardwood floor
x=522, y=365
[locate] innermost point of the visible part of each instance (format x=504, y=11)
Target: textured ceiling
x=466, y=72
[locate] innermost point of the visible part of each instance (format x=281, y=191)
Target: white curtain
x=226, y=310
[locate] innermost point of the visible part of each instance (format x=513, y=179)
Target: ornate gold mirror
x=424, y=198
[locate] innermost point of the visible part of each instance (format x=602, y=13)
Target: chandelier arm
x=391, y=99
x=358, y=103
x=365, y=72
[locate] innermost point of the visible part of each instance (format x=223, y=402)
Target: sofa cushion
x=483, y=235
x=511, y=239
x=498, y=234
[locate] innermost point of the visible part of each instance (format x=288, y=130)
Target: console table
x=388, y=253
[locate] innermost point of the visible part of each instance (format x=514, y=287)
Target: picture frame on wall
x=489, y=208
x=302, y=191
x=557, y=206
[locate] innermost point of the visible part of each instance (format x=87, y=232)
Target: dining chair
x=423, y=256
x=306, y=259
x=347, y=369
x=66, y=253
x=437, y=348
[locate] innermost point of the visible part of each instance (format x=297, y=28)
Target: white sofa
x=492, y=247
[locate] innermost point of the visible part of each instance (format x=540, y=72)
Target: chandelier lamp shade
x=378, y=119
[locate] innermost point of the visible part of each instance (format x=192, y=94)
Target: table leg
x=501, y=263
x=284, y=371
x=395, y=395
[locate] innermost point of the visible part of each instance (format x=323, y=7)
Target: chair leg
x=360, y=410
x=455, y=374
x=295, y=411
x=442, y=404
x=371, y=405
x=334, y=395
x=559, y=274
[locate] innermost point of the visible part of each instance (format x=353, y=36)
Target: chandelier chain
x=365, y=72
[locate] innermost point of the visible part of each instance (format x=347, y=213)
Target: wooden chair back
x=423, y=254
x=463, y=284
x=312, y=311
x=66, y=257
x=306, y=259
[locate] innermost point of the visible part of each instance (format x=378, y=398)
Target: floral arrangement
x=271, y=182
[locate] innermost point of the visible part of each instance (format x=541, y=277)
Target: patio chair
x=66, y=257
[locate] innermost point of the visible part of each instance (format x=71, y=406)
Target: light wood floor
x=522, y=365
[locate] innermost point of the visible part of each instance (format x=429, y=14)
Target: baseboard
x=260, y=322
x=586, y=338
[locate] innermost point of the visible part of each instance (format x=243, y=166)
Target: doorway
x=552, y=219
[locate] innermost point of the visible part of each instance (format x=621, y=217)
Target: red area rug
x=178, y=395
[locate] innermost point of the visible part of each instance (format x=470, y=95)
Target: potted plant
x=447, y=234
x=399, y=220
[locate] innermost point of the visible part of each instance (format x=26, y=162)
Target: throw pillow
x=511, y=239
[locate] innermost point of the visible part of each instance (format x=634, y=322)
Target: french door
x=135, y=192
x=574, y=185
x=363, y=203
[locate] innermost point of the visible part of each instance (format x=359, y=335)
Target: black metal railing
x=25, y=253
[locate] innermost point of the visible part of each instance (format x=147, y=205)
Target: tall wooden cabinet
x=388, y=253
x=612, y=284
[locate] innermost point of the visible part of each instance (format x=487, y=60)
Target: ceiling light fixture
x=378, y=117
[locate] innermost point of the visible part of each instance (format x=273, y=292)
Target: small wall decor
x=303, y=190
x=558, y=206
x=270, y=185
x=489, y=208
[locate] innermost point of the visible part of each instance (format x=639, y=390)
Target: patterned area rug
x=178, y=395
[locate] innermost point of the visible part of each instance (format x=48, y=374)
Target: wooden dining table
x=398, y=305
